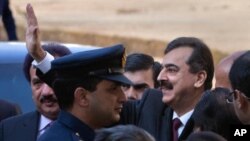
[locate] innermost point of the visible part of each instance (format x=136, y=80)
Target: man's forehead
x=180, y=54
x=33, y=75
x=141, y=76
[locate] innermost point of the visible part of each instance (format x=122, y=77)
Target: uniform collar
x=81, y=129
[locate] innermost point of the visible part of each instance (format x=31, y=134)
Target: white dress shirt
x=43, y=125
x=184, y=118
x=45, y=64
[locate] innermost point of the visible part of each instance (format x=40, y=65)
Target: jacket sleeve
x=133, y=110
x=44, y=71
x=130, y=112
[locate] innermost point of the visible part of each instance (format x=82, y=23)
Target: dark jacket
x=153, y=115
x=20, y=128
x=149, y=113
x=8, y=109
x=68, y=128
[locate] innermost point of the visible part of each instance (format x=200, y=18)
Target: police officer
x=87, y=85
x=88, y=88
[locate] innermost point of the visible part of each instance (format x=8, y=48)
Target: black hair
x=123, y=133
x=140, y=61
x=65, y=88
x=157, y=67
x=239, y=74
x=214, y=113
x=200, y=59
x=205, y=136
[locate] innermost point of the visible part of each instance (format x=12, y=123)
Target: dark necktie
x=175, y=127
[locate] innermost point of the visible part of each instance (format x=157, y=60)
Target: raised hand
x=33, y=42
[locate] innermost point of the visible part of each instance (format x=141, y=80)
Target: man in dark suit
x=8, y=20
x=187, y=72
x=29, y=126
x=8, y=109
x=239, y=76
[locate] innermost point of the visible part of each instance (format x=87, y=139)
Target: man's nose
x=122, y=96
x=162, y=75
x=46, y=90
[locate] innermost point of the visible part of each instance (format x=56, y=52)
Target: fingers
x=32, y=24
x=31, y=17
x=33, y=42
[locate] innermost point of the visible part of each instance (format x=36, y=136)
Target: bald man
x=223, y=68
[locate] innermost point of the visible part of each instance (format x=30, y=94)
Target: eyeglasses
x=230, y=97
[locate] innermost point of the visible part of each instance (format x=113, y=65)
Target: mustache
x=166, y=84
x=49, y=98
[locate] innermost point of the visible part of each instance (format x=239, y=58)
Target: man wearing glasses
x=240, y=79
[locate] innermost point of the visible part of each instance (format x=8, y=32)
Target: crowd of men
x=89, y=95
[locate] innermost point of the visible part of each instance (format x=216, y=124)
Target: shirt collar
x=44, y=121
x=81, y=129
x=184, y=118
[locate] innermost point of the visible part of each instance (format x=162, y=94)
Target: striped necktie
x=176, y=124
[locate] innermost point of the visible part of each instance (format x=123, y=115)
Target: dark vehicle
x=13, y=85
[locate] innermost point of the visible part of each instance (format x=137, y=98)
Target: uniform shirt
x=68, y=128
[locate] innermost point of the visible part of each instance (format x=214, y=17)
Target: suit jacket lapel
x=165, y=132
x=188, y=129
x=31, y=124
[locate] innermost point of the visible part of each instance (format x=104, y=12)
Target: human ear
x=240, y=100
x=80, y=95
x=200, y=79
